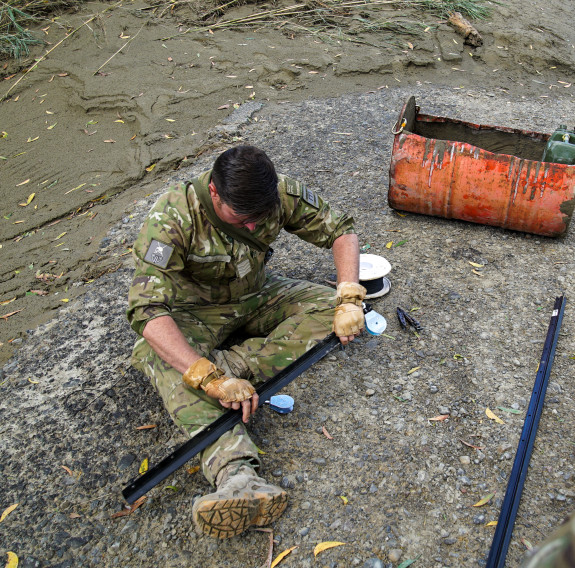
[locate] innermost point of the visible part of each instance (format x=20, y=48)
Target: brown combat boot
x=242, y=500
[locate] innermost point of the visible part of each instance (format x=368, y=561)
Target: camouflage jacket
x=183, y=258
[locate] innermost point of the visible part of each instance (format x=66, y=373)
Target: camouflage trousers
x=283, y=320
x=558, y=551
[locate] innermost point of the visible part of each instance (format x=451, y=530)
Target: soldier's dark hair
x=246, y=181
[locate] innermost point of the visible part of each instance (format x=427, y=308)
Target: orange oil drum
x=483, y=174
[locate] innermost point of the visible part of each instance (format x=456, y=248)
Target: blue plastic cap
x=281, y=403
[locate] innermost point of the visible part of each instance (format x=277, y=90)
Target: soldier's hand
x=231, y=392
x=229, y=389
x=348, y=321
x=248, y=406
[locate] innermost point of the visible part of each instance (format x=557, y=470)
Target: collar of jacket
x=202, y=191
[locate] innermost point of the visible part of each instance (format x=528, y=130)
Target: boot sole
x=225, y=518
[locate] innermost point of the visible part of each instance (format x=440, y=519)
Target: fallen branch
x=465, y=29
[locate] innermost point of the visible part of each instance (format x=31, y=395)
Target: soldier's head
x=244, y=186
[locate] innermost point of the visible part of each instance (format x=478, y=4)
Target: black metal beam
x=141, y=485
x=504, y=529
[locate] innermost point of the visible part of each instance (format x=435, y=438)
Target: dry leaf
x=491, y=524
x=67, y=470
x=110, y=141
x=527, y=544
x=326, y=546
x=410, y=45
x=326, y=433
x=75, y=188
x=485, y=500
x=143, y=466
x=192, y=470
x=470, y=445
x=7, y=301
x=281, y=556
x=8, y=511
x=75, y=516
x=476, y=264
x=129, y=509
x=12, y=560
x=223, y=107
x=146, y=427
x=389, y=245
x=440, y=418
x=150, y=168
x=491, y=415
x=5, y=317
x=23, y=182
x=478, y=273
x=413, y=370
x=28, y=201
x=344, y=499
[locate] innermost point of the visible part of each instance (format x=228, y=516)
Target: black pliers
x=406, y=319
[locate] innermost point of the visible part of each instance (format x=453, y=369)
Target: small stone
x=126, y=461
x=277, y=473
x=394, y=555
x=433, y=389
x=369, y=392
x=305, y=506
x=304, y=531
x=479, y=519
x=373, y=563
x=464, y=460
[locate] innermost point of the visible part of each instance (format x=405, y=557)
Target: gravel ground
x=391, y=484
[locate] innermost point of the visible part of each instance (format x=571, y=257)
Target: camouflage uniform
x=558, y=551
x=210, y=278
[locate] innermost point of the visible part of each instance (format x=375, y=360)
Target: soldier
x=199, y=277
x=558, y=551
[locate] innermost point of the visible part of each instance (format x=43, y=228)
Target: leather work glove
x=205, y=375
x=349, y=318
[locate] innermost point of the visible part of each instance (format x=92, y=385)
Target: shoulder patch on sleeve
x=159, y=254
x=309, y=197
x=292, y=187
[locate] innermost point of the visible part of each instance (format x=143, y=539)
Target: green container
x=560, y=148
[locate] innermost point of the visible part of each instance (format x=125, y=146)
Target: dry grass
x=327, y=19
